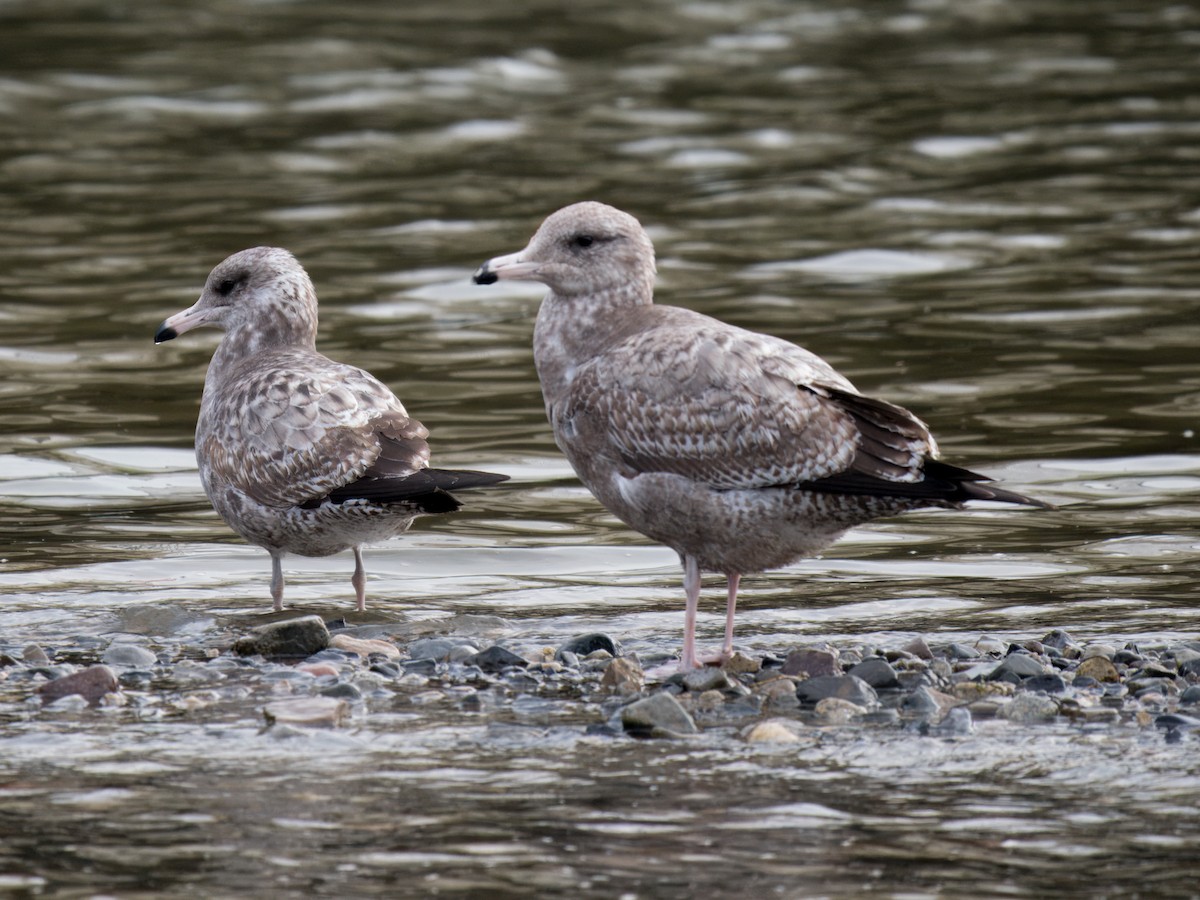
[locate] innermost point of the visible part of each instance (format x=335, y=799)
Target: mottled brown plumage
x=299, y=453
x=740, y=451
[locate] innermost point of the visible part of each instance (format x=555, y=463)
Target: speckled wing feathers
x=296, y=426
x=725, y=407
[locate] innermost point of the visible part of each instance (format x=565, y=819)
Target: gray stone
x=291, y=639
x=588, y=643
x=623, y=675
x=461, y=653
x=876, y=672
x=34, y=655
x=956, y=722
x=1190, y=696
x=1058, y=639
x=1048, y=684
x=130, y=655
x=918, y=648
x=431, y=648
x=496, y=659
x=343, y=690
x=91, y=684
x=844, y=687
x=811, y=662
x=1018, y=664
x=962, y=651
x=1107, y=651
x=706, y=678
x=312, y=712
x=658, y=715
x=1029, y=708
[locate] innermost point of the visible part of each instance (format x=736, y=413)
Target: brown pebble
x=623, y=675
x=364, y=646
x=313, y=712
x=739, y=663
x=918, y=648
x=978, y=690
x=835, y=711
x=92, y=684
x=811, y=662
x=773, y=731
x=1099, y=668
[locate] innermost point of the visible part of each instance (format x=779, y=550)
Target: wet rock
x=1092, y=651
x=461, y=653
x=955, y=723
x=659, y=715
x=1018, y=666
x=773, y=731
x=1058, y=639
x=1097, y=667
x=741, y=664
x=706, y=678
x=91, y=684
x=990, y=646
x=962, y=651
x=364, y=647
x=844, y=687
x=496, y=659
x=343, y=690
x=835, y=711
x=1047, y=684
x=1190, y=667
x=128, y=655
x=918, y=648
x=926, y=701
x=589, y=643
x=1028, y=708
x=309, y=712
x=778, y=693
x=1190, y=696
x=431, y=648
x=970, y=691
x=876, y=672
x=289, y=639
x=33, y=655
x=422, y=667
x=811, y=662
x=623, y=676
x=319, y=669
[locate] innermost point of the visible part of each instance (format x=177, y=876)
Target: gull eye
x=583, y=240
x=225, y=288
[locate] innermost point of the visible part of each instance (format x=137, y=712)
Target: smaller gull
x=299, y=453
x=740, y=451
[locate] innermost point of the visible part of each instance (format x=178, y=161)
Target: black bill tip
x=484, y=275
x=165, y=333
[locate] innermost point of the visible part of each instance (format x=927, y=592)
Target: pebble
x=432, y=648
x=496, y=659
x=918, y=648
x=91, y=684
x=1028, y=708
x=955, y=723
x=1018, y=666
x=741, y=664
x=291, y=638
x=1097, y=667
x=589, y=643
x=811, y=662
x=844, y=687
x=773, y=731
x=1091, y=651
x=129, y=655
x=659, y=715
x=1191, y=696
x=624, y=676
x=835, y=711
x=34, y=655
x=309, y=712
x=876, y=672
x=364, y=647
x=707, y=678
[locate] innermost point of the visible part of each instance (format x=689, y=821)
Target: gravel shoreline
x=304, y=673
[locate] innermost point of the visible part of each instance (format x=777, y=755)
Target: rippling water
x=984, y=211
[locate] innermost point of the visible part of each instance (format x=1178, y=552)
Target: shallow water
x=984, y=211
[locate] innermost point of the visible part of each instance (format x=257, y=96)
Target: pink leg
x=277, y=580
x=691, y=587
x=359, y=580
x=730, y=605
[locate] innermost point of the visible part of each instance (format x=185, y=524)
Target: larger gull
x=740, y=451
x=299, y=453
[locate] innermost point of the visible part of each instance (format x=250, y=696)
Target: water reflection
x=981, y=211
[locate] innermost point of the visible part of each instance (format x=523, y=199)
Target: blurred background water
x=985, y=211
